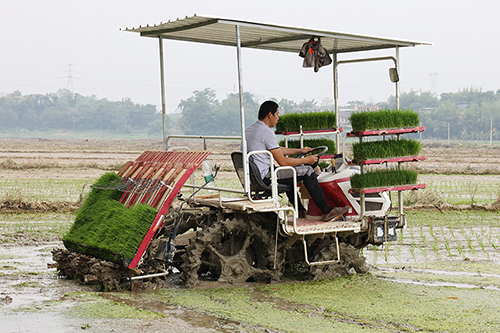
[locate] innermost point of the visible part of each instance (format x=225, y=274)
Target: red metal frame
x=340, y=129
x=388, y=131
x=388, y=160
x=388, y=188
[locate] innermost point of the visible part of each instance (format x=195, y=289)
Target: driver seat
x=258, y=189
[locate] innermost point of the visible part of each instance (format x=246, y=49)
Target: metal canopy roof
x=264, y=36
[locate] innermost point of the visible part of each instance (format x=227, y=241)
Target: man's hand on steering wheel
x=312, y=159
x=305, y=150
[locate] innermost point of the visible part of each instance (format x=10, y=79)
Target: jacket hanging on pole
x=314, y=54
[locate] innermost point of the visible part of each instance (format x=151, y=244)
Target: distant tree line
x=204, y=114
x=469, y=114
x=65, y=110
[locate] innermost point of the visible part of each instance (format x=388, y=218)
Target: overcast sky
x=40, y=39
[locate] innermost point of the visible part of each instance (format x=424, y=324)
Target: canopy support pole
x=336, y=100
x=397, y=83
x=163, y=98
x=242, y=112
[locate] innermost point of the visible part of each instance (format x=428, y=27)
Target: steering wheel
x=322, y=149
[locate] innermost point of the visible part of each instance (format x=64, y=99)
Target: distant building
x=367, y=107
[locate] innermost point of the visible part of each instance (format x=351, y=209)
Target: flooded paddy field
x=442, y=274
x=428, y=291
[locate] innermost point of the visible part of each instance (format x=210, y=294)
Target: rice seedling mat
x=375, y=120
x=290, y=122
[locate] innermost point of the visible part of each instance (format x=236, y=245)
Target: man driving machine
x=259, y=136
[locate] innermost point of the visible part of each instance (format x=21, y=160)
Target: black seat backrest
x=257, y=185
x=237, y=158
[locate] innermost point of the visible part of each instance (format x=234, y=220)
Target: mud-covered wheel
x=230, y=251
x=350, y=257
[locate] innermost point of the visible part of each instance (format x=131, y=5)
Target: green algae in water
x=105, y=229
x=240, y=304
x=100, y=308
x=419, y=308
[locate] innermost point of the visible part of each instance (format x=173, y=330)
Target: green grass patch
x=373, y=120
x=312, y=143
x=104, y=228
x=309, y=121
x=385, y=148
x=379, y=178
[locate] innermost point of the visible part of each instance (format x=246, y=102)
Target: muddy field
x=442, y=274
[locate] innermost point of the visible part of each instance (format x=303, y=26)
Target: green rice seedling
x=401, y=237
x=411, y=234
x=422, y=233
x=451, y=229
x=492, y=243
x=312, y=143
x=460, y=248
x=375, y=253
x=382, y=119
x=447, y=247
x=379, y=178
x=385, y=148
x=397, y=254
x=308, y=120
x=412, y=250
x=424, y=251
x=104, y=228
x=435, y=247
x=471, y=248
x=479, y=240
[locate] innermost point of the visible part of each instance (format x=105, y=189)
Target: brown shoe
x=335, y=213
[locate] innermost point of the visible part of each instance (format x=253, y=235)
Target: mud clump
x=16, y=206
x=89, y=270
x=105, y=275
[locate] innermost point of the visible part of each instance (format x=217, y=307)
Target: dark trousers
x=305, y=173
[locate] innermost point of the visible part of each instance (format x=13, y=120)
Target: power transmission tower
x=69, y=84
x=433, y=77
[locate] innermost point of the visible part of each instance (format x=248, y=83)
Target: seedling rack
x=399, y=160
